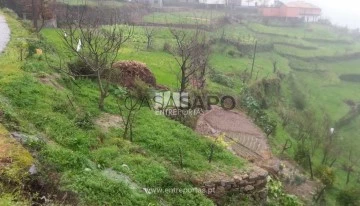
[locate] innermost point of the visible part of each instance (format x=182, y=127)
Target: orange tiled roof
x=301, y=4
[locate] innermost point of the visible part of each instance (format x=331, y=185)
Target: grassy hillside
x=309, y=61
x=110, y=3
x=100, y=166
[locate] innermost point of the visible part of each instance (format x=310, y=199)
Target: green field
x=320, y=82
x=202, y=17
x=109, y=3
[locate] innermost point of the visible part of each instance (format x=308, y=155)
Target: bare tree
x=41, y=9
x=97, y=47
x=286, y=146
x=331, y=147
x=191, y=54
x=149, y=32
x=308, y=135
x=350, y=164
x=38, y=9
x=128, y=113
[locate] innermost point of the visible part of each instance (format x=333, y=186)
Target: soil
x=248, y=141
x=51, y=80
x=107, y=121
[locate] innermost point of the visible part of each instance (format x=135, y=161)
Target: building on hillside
x=256, y=3
x=292, y=10
x=231, y=3
x=213, y=2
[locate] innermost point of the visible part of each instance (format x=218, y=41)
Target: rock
x=209, y=184
x=253, y=176
x=33, y=170
x=243, y=183
x=251, y=182
x=263, y=173
x=263, y=193
x=237, y=178
x=218, y=183
x=39, y=51
x=220, y=190
x=14, y=158
x=272, y=166
x=223, y=183
x=228, y=185
x=249, y=188
x=260, y=183
x=20, y=137
x=125, y=166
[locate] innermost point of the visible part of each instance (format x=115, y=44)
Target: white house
x=213, y=2
x=258, y=2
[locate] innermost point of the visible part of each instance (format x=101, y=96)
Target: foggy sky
x=340, y=12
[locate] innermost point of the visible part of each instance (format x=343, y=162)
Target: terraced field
x=243, y=136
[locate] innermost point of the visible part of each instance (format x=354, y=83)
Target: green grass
x=162, y=64
x=313, y=31
x=109, y=3
x=324, y=51
x=152, y=159
x=204, y=17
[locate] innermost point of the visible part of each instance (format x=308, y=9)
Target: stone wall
x=251, y=183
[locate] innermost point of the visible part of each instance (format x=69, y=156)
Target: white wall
x=259, y=2
x=212, y=1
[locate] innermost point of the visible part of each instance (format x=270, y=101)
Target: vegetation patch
x=350, y=77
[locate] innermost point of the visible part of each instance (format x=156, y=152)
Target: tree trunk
x=131, y=131
x=181, y=158
x=148, y=43
x=102, y=102
x=103, y=92
x=333, y=162
x=320, y=194
x=183, y=80
x=127, y=125
x=212, y=147
x=324, y=160
x=310, y=166
x=348, y=176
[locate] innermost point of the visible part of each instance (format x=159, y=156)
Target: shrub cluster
x=254, y=110
x=219, y=78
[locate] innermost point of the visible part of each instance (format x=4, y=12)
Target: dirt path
x=248, y=141
x=4, y=34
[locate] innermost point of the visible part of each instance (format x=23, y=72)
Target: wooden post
x=253, y=62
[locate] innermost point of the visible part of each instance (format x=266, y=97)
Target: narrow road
x=4, y=33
